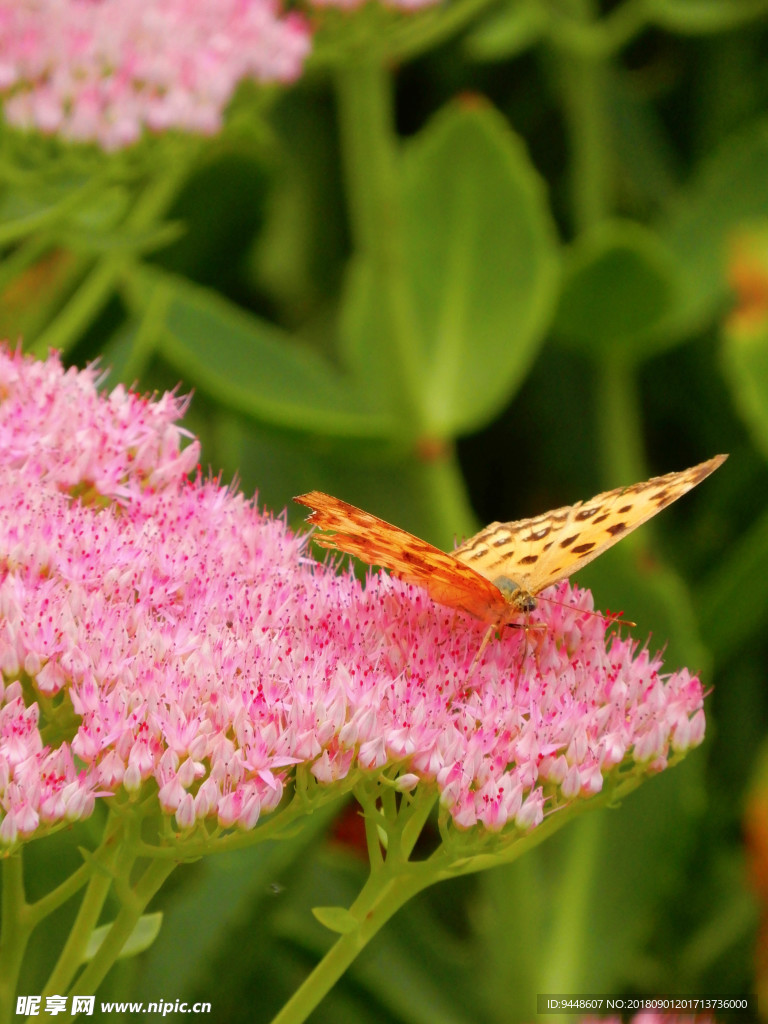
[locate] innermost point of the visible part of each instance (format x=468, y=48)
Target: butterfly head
x=519, y=599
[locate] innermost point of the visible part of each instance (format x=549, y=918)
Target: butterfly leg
x=481, y=650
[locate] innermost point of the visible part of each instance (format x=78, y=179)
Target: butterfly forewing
x=534, y=553
x=447, y=580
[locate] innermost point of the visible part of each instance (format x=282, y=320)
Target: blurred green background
x=480, y=262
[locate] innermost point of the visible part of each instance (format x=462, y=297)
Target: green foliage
x=336, y=919
x=430, y=303
x=142, y=937
x=745, y=363
x=621, y=288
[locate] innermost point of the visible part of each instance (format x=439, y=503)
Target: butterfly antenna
x=608, y=617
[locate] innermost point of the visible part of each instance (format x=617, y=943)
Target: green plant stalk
x=135, y=902
x=106, y=865
x=15, y=932
x=619, y=422
x=606, y=37
x=447, y=510
x=280, y=824
x=15, y=263
x=585, y=80
x=396, y=879
x=380, y=898
x=430, y=28
x=371, y=157
x=583, y=90
x=97, y=288
x=563, y=964
x=47, y=218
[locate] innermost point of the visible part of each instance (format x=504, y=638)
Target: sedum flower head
x=104, y=71
x=167, y=638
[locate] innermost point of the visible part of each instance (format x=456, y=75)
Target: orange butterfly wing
x=447, y=580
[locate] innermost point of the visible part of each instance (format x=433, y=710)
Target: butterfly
x=496, y=575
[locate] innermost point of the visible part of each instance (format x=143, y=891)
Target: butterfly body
x=496, y=575
x=518, y=599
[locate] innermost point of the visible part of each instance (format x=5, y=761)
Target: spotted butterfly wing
x=535, y=553
x=447, y=580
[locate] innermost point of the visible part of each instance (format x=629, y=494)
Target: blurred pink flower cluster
x=104, y=70
x=159, y=630
x=654, y=1017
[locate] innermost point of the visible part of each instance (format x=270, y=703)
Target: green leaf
x=621, y=285
x=141, y=938
x=745, y=367
x=733, y=600
x=506, y=33
x=336, y=919
x=121, y=239
x=255, y=368
x=24, y=210
x=731, y=188
x=366, y=343
x=482, y=261
x=699, y=17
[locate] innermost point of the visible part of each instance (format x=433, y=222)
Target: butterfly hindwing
x=447, y=580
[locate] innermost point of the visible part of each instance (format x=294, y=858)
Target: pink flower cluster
x=104, y=70
x=156, y=630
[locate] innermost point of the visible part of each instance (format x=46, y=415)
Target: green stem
x=584, y=92
x=104, y=865
x=398, y=879
x=286, y=821
x=370, y=153
x=25, y=255
x=619, y=421
x=46, y=218
x=380, y=898
x=46, y=905
x=605, y=37
x=426, y=31
x=446, y=507
x=123, y=926
x=14, y=933
x=99, y=285
x=563, y=966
